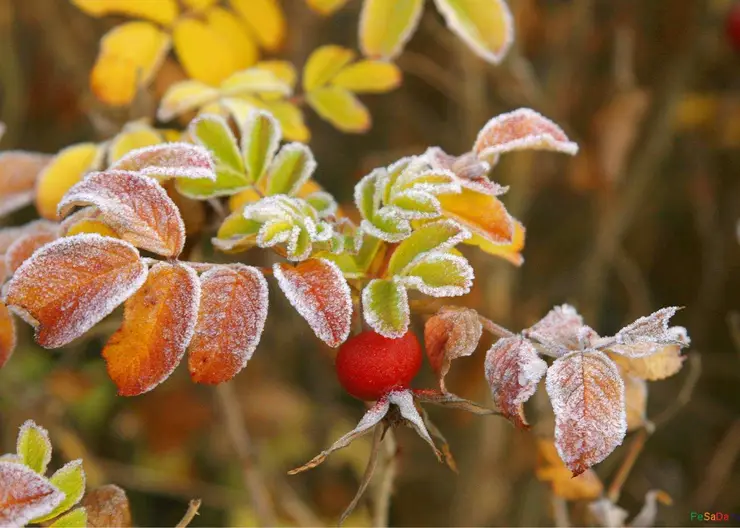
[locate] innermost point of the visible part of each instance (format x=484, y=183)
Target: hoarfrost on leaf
x=439, y=275
x=560, y=331
x=33, y=446
x=404, y=400
x=25, y=495
x=168, y=160
x=450, y=334
x=647, y=335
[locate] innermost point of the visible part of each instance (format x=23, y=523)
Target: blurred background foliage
x=645, y=216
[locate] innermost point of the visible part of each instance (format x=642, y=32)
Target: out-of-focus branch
x=193, y=508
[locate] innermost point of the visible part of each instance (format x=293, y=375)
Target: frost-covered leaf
x=550, y=468
x=435, y=236
x=22, y=249
x=134, y=135
x=450, y=334
x=513, y=370
x=213, y=133
x=511, y=251
x=62, y=172
x=471, y=171
x=18, y=173
x=587, y=396
x=660, y=365
x=319, y=292
x=260, y=140
x=70, y=480
x=168, y=160
x=158, y=324
x=227, y=182
x=323, y=202
x=341, y=108
x=324, y=64
x=385, y=305
x=439, y=275
x=369, y=76
x=33, y=447
x=237, y=233
x=69, y=285
x=521, y=129
x=369, y=421
x=404, y=400
x=635, y=400
x=24, y=494
x=291, y=168
x=291, y=118
x=560, y=331
x=232, y=313
x=135, y=206
x=8, y=338
x=386, y=26
x=185, y=96
x=482, y=214
x=107, y=506
x=77, y=518
x=647, y=335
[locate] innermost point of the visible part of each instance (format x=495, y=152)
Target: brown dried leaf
x=25, y=495
x=513, y=370
x=634, y=339
x=158, y=324
x=587, y=395
x=69, y=285
x=450, y=334
x=107, y=506
x=135, y=206
x=561, y=331
x=233, y=309
x=18, y=173
x=7, y=335
x=661, y=365
x=550, y=468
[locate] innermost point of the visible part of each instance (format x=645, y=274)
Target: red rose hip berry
x=369, y=366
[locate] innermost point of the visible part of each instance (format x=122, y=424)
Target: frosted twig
x=494, y=328
x=193, y=507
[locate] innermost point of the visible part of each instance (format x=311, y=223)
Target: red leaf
x=24, y=495
x=69, y=285
x=135, y=206
x=158, y=324
x=233, y=309
x=513, y=370
x=587, y=395
x=448, y=335
x=7, y=335
x=319, y=292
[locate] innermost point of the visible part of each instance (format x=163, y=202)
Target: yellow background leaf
x=326, y=7
x=160, y=11
x=340, y=108
x=323, y=64
x=185, y=96
x=369, y=77
x=236, y=33
x=266, y=20
x=135, y=137
x=291, y=120
x=386, y=25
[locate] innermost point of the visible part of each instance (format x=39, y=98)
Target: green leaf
x=274, y=232
x=346, y=264
x=368, y=192
x=385, y=305
x=439, y=275
x=237, y=233
x=227, y=183
x=70, y=479
x=260, y=141
x=341, y=108
x=435, y=236
x=34, y=447
x=323, y=202
x=213, y=133
x=394, y=172
x=369, y=249
x=387, y=225
x=291, y=168
x=415, y=205
x=75, y=519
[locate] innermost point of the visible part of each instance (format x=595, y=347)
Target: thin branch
x=638, y=443
x=367, y=476
x=684, y=396
x=560, y=511
x=384, y=489
x=494, y=328
x=193, y=508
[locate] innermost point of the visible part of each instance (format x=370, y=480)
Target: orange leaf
x=10, y=235
x=450, y=334
x=513, y=370
x=319, y=292
x=233, y=309
x=69, y=285
x=22, y=249
x=136, y=207
x=511, y=252
x=587, y=396
x=168, y=160
x=18, y=173
x=25, y=495
x=7, y=335
x=550, y=468
x=107, y=506
x=158, y=323
x=484, y=215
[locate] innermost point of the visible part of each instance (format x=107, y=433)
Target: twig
x=384, y=490
x=242, y=443
x=367, y=476
x=193, y=508
x=720, y=468
x=684, y=395
x=638, y=443
x=494, y=328
x=560, y=511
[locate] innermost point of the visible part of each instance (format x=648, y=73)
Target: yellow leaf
x=511, y=252
x=340, y=108
x=291, y=120
x=236, y=33
x=254, y=80
x=133, y=136
x=283, y=70
x=129, y=56
x=550, y=468
x=326, y=7
x=205, y=50
x=369, y=76
x=161, y=11
x=198, y=5
x=239, y=108
x=482, y=214
x=266, y=20
x=90, y=225
x=242, y=198
x=386, y=26
x=324, y=64
x=66, y=169
x=486, y=27
x=185, y=96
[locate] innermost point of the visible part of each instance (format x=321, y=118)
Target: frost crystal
x=404, y=400
x=439, y=275
x=650, y=329
x=168, y=160
x=450, y=334
x=25, y=495
x=560, y=331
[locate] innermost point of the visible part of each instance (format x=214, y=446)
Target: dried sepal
x=107, y=506
x=168, y=160
x=587, y=395
x=33, y=446
x=521, y=129
x=451, y=401
x=158, y=324
x=647, y=335
x=450, y=334
x=404, y=400
x=607, y=514
x=8, y=338
x=18, y=173
x=551, y=469
x=25, y=495
x=366, y=476
x=318, y=291
x=232, y=314
x=513, y=370
x=69, y=285
x=369, y=421
x=560, y=331
x=135, y=206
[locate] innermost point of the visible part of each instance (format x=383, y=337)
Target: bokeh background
x=645, y=216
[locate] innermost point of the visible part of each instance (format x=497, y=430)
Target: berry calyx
x=369, y=366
